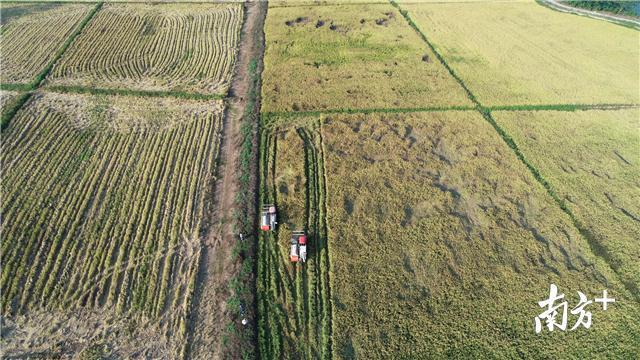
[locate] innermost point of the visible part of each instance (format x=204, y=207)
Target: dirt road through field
x=210, y=315
x=624, y=20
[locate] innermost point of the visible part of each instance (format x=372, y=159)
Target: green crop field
x=105, y=197
x=351, y=56
x=524, y=53
x=440, y=244
x=30, y=35
x=593, y=160
x=155, y=47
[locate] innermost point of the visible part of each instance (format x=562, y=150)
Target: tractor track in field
x=210, y=315
x=617, y=19
x=294, y=300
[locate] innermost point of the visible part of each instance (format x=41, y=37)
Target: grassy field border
x=128, y=92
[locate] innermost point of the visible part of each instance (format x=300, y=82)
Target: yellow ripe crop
x=593, y=162
x=436, y=231
x=524, y=53
x=350, y=57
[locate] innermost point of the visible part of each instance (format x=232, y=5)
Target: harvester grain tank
x=268, y=218
x=298, y=246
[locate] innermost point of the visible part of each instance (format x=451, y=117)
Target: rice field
x=524, y=53
x=155, y=47
x=294, y=301
x=31, y=34
x=106, y=197
x=440, y=243
x=592, y=160
x=7, y=99
x=350, y=57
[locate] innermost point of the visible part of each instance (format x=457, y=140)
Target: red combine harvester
x=298, y=246
x=268, y=218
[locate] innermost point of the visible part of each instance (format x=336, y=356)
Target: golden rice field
x=446, y=249
x=106, y=197
x=592, y=160
x=350, y=57
x=30, y=35
x=524, y=53
x=155, y=47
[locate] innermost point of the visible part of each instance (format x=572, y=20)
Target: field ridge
x=133, y=92
x=269, y=116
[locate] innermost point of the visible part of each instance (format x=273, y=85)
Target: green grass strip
x=128, y=92
x=562, y=107
x=594, y=244
x=16, y=87
x=316, y=113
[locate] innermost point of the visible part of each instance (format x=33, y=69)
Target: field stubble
x=155, y=47
x=105, y=196
x=30, y=35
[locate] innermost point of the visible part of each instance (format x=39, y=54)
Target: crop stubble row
x=109, y=216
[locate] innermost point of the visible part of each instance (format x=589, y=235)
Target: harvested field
x=155, y=47
x=524, y=53
x=440, y=244
x=30, y=35
x=591, y=159
x=106, y=197
x=350, y=57
x=7, y=99
x=9, y=103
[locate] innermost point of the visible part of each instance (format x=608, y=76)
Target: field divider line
x=596, y=247
x=269, y=116
x=125, y=92
x=562, y=107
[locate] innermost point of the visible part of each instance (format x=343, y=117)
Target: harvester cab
x=268, y=218
x=298, y=246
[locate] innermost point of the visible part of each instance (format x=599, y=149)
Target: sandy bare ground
x=218, y=265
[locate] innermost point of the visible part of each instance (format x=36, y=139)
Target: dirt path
x=210, y=315
x=620, y=19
